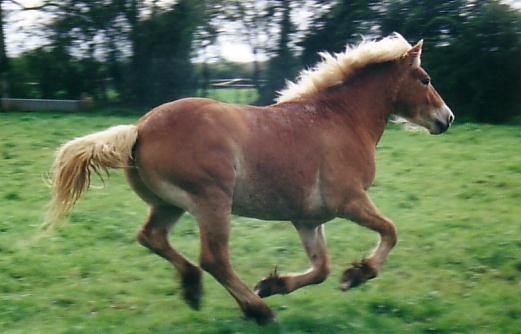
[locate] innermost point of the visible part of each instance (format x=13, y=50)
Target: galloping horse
x=308, y=158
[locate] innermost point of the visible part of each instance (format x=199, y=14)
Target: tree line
x=142, y=53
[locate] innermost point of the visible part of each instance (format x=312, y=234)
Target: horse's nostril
x=451, y=118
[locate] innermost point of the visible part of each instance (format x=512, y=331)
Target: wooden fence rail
x=44, y=104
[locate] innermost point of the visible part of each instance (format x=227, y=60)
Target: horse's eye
x=425, y=82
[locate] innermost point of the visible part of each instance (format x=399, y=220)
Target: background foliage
x=142, y=53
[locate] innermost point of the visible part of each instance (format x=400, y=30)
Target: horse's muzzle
x=443, y=118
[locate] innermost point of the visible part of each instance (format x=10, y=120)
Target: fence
x=44, y=105
x=237, y=90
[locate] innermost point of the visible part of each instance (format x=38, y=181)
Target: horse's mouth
x=438, y=127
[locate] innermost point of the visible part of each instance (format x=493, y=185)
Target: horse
x=308, y=158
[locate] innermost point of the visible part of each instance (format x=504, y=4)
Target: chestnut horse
x=308, y=158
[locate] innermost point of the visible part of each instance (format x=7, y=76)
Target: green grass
x=455, y=198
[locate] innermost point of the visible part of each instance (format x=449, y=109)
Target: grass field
x=455, y=198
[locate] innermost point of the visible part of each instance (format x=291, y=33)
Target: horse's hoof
x=270, y=285
x=344, y=286
x=359, y=273
x=192, y=286
x=192, y=296
x=263, y=315
x=263, y=321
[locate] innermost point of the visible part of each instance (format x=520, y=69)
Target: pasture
x=455, y=199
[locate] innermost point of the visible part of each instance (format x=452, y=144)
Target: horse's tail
x=76, y=160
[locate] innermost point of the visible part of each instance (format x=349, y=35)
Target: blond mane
x=336, y=68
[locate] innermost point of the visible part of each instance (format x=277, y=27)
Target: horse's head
x=416, y=99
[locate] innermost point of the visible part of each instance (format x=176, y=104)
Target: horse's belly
x=275, y=202
x=264, y=208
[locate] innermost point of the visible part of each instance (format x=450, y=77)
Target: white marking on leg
x=314, y=199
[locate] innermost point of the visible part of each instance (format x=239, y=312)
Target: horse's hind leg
x=314, y=243
x=362, y=211
x=154, y=235
x=214, y=231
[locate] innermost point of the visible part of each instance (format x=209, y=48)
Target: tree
x=161, y=59
x=4, y=60
x=204, y=38
x=283, y=65
x=74, y=48
x=256, y=20
x=432, y=20
x=343, y=24
x=479, y=72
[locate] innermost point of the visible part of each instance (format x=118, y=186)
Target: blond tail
x=76, y=160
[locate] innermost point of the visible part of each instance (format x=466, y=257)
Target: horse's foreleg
x=314, y=243
x=154, y=236
x=362, y=211
x=214, y=232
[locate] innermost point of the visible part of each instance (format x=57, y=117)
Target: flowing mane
x=336, y=68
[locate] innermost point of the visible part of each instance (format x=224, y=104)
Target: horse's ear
x=414, y=54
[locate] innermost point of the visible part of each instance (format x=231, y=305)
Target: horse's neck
x=364, y=102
